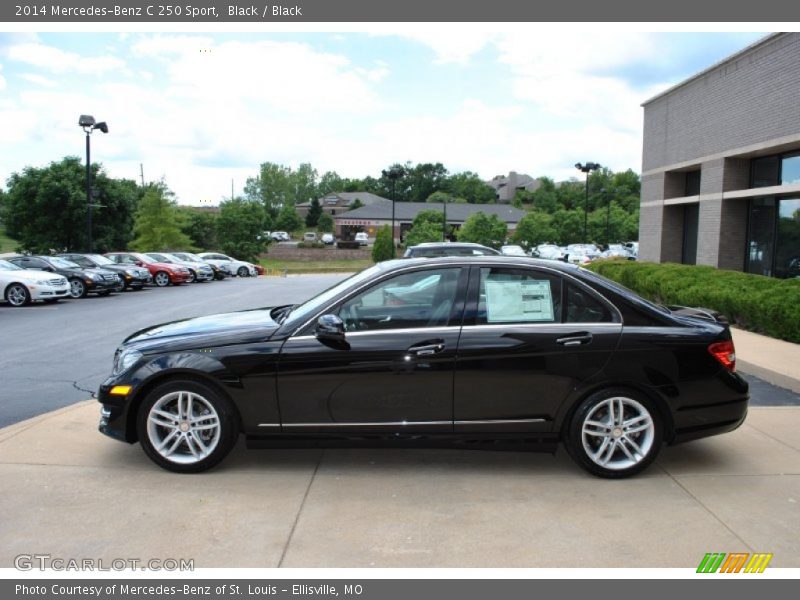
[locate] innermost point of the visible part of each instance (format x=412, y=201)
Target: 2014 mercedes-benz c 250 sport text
x=483, y=352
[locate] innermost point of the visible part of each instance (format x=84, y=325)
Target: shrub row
x=753, y=302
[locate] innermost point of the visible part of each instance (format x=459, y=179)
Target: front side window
x=410, y=300
x=518, y=296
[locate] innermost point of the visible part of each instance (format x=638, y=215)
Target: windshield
x=7, y=266
x=99, y=259
x=301, y=312
x=159, y=257
x=188, y=256
x=63, y=263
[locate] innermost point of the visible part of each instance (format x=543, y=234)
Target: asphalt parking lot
x=54, y=355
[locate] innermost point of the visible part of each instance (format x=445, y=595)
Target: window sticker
x=518, y=301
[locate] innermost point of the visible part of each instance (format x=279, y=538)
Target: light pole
x=88, y=124
x=587, y=168
x=393, y=174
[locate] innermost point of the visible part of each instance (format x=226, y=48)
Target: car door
x=530, y=336
x=394, y=371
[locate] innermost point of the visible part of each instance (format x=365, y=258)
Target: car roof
x=489, y=260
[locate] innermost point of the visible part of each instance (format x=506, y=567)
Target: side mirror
x=330, y=328
x=139, y=263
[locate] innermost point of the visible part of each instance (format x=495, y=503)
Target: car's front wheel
x=161, y=279
x=120, y=287
x=186, y=426
x=192, y=277
x=17, y=295
x=243, y=272
x=77, y=289
x=615, y=433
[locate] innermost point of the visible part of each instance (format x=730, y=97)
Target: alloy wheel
x=120, y=287
x=162, y=279
x=77, y=289
x=192, y=277
x=183, y=427
x=17, y=295
x=618, y=433
x=243, y=272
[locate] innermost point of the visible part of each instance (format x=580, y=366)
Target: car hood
x=212, y=330
x=29, y=275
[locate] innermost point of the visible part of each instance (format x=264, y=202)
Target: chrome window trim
x=564, y=326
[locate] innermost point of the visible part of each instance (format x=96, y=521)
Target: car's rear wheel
x=77, y=289
x=615, y=433
x=17, y=295
x=161, y=279
x=243, y=272
x=186, y=426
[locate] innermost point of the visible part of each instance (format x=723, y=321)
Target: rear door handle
x=575, y=339
x=427, y=349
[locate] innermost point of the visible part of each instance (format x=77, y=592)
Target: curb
x=773, y=377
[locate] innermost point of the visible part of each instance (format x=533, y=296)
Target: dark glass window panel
x=693, y=183
x=766, y=171
x=583, y=307
x=787, y=246
x=760, y=240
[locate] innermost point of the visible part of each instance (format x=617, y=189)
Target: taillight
x=725, y=353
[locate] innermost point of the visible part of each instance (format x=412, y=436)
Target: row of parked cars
x=24, y=279
x=579, y=254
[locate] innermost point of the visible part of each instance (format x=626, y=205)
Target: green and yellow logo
x=735, y=562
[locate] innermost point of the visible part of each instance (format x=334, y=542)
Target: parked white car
x=310, y=236
x=328, y=239
x=548, y=251
x=362, y=238
x=234, y=266
x=21, y=286
x=280, y=236
x=513, y=250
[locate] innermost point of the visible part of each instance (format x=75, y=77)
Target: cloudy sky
x=201, y=110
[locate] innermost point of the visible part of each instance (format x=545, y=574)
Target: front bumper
x=178, y=277
x=48, y=292
x=137, y=281
x=106, y=285
x=204, y=276
x=114, y=414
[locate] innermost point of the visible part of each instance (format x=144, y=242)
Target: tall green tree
x=330, y=182
x=482, y=229
x=200, y=226
x=533, y=229
x=325, y=223
x=288, y=219
x=314, y=212
x=469, y=185
x=45, y=208
x=383, y=249
x=272, y=187
x=239, y=228
x=568, y=225
x=303, y=183
x=159, y=224
x=426, y=227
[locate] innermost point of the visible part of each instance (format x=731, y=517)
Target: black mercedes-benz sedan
x=483, y=352
x=130, y=276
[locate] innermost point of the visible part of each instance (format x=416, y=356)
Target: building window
x=780, y=169
x=692, y=183
x=773, y=242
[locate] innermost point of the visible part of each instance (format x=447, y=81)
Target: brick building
x=721, y=164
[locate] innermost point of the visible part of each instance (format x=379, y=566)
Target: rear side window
x=584, y=307
x=518, y=296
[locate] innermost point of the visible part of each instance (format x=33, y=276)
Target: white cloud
x=2, y=80
x=450, y=44
x=60, y=61
x=38, y=80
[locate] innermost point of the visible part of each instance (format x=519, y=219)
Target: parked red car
x=259, y=269
x=163, y=273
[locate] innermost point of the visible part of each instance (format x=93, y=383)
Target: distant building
x=370, y=218
x=721, y=164
x=506, y=187
x=336, y=203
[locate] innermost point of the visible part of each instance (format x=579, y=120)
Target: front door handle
x=575, y=339
x=427, y=348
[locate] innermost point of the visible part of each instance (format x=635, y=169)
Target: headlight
x=124, y=360
x=131, y=273
x=96, y=277
x=41, y=282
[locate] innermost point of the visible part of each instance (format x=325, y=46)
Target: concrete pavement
x=72, y=493
x=774, y=361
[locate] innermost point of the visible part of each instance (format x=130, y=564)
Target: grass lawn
x=317, y=266
x=6, y=243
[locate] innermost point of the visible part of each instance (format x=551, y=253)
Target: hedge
x=753, y=302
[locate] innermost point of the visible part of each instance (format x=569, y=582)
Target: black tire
x=192, y=276
x=243, y=272
x=77, y=288
x=621, y=442
x=227, y=435
x=17, y=295
x=161, y=279
x=121, y=286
